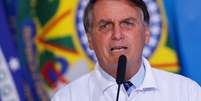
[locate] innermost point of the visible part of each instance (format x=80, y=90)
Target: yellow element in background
x=62, y=24
x=164, y=57
x=65, y=27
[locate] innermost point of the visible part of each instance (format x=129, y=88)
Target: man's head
x=88, y=15
x=116, y=27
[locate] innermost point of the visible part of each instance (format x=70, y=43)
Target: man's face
x=118, y=28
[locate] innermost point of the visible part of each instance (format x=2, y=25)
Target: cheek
x=136, y=43
x=100, y=43
x=136, y=38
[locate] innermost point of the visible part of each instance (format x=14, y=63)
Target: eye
x=127, y=24
x=104, y=27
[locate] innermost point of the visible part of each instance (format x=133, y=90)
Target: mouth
x=118, y=49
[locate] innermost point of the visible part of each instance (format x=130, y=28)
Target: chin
x=112, y=65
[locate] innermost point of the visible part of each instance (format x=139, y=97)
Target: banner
x=26, y=32
x=10, y=74
x=184, y=21
x=10, y=50
x=160, y=50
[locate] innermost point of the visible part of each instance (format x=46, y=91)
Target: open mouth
x=118, y=48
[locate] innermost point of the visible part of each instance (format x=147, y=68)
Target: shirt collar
x=138, y=78
x=142, y=80
x=103, y=79
x=149, y=81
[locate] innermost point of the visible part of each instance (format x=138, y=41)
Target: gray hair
x=88, y=13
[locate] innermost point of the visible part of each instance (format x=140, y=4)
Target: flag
x=49, y=43
x=25, y=34
x=184, y=21
x=160, y=50
x=21, y=74
x=10, y=69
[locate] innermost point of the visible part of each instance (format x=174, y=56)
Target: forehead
x=115, y=9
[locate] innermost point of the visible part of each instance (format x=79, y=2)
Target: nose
x=117, y=33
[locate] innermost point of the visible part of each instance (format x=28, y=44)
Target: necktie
x=127, y=86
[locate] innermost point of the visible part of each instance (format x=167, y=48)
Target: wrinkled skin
x=118, y=28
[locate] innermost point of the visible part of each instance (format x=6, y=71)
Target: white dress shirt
x=157, y=85
x=136, y=80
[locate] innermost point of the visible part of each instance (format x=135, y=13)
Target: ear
x=147, y=35
x=90, y=41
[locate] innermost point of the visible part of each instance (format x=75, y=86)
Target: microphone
x=121, y=69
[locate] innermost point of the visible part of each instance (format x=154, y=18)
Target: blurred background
x=43, y=45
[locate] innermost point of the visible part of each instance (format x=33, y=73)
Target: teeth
x=118, y=48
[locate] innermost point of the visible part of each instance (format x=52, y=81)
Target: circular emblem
x=155, y=28
x=81, y=32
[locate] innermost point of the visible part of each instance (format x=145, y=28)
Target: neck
x=131, y=69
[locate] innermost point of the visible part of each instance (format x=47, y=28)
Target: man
x=116, y=27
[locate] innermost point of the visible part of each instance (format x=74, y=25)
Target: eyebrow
x=129, y=19
x=102, y=21
x=108, y=21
